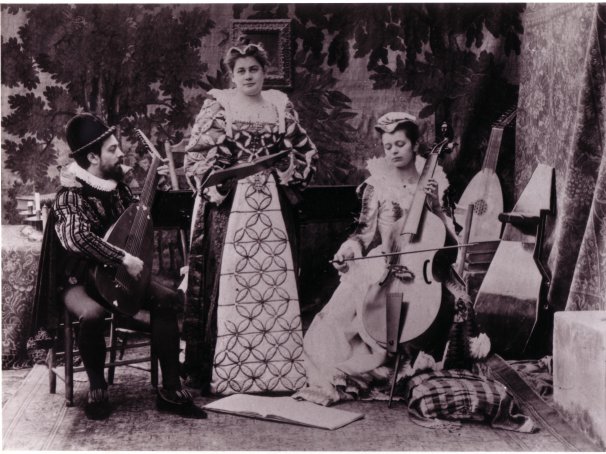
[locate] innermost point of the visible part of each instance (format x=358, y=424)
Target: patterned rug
x=33, y=419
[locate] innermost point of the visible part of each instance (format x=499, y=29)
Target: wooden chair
x=120, y=331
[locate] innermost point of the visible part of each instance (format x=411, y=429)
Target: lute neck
x=496, y=137
x=492, y=151
x=146, y=198
x=151, y=182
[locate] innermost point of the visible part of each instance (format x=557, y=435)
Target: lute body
x=125, y=294
x=485, y=194
x=134, y=233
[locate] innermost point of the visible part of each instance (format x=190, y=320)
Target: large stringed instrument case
x=512, y=294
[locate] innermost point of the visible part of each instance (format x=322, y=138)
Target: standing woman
x=242, y=318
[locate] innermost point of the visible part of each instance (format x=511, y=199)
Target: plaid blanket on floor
x=437, y=397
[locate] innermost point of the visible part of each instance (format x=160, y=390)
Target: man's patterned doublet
x=84, y=209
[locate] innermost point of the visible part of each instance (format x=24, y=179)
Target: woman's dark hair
x=82, y=157
x=410, y=129
x=245, y=49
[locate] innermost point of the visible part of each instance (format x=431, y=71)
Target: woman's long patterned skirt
x=259, y=341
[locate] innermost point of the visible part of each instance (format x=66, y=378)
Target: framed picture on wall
x=274, y=35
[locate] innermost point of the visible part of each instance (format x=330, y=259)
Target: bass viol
x=408, y=284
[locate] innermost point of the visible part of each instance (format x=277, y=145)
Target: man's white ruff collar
x=74, y=171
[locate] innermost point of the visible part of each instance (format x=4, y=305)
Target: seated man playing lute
x=91, y=198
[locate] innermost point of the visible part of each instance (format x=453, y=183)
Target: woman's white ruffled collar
x=74, y=172
x=379, y=167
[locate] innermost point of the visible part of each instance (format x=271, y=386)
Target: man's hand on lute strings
x=133, y=265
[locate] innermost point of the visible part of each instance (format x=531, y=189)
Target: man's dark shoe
x=179, y=402
x=97, y=406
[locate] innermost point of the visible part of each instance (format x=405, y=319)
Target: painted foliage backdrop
x=149, y=66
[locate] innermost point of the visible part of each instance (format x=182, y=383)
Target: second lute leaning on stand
x=134, y=233
x=484, y=190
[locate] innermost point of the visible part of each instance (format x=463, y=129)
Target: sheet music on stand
x=243, y=170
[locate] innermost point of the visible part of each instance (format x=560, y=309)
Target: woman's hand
x=163, y=168
x=214, y=196
x=344, y=253
x=433, y=200
x=164, y=172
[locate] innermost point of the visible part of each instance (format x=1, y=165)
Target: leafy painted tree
x=451, y=56
x=141, y=64
x=426, y=49
x=127, y=63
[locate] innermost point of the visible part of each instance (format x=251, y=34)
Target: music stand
x=243, y=170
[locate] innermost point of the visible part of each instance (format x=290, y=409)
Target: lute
x=484, y=190
x=134, y=233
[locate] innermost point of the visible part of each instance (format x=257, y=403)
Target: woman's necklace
x=408, y=178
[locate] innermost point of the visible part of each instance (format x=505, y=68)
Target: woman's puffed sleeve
x=208, y=146
x=366, y=226
x=304, y=155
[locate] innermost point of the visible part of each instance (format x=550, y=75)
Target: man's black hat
x=85, y=130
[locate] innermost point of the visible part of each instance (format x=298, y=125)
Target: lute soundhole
x=480, y=207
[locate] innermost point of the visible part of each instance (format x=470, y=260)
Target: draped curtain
x=562, y=123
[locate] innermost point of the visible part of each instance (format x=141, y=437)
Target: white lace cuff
x=213, y=195
x=355, y=246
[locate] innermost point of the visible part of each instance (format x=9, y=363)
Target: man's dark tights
x=162, y=303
